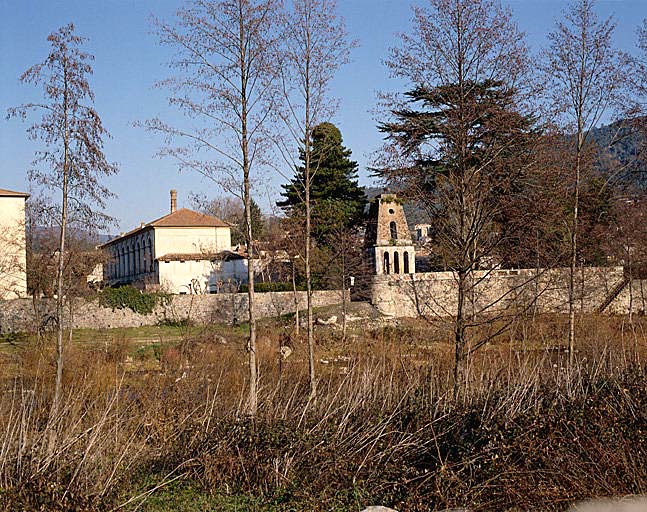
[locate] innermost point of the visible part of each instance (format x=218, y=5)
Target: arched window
x=145, y=265
x=387, y=263
x=394, y=230
x=151, y=264
x=129, y=260
x=405, y=262
x=137, y=258
x=396, y=263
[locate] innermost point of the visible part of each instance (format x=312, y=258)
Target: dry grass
x=527, y=432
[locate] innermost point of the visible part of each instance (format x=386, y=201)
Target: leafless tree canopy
x=585, y=79
x=223, y=83
x=73, y=162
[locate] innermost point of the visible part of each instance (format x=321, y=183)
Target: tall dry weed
x=526, y=432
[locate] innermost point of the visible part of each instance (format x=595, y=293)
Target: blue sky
x=128, y=62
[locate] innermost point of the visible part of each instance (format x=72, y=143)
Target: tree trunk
x=308, y=179
x=296, y=301
x=460, y=377
x=311, y=341
x=573, y=255
x=252, y=400
x=58, y=385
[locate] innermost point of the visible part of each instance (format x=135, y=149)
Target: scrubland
x=161, y=425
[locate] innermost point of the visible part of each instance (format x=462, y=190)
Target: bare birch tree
x=315, y=46
x=224, y=86
x=584, y=75
x=454, y=139
x=72, y=160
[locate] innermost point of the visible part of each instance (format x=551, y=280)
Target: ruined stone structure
x=184, y=252
x=388, y=241
x=13, y=255
x=395, y=288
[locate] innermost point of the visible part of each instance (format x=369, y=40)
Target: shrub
x=273, y=287
x=130, y=297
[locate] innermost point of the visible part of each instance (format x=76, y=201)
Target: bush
x=131, y=298
x=273, y=287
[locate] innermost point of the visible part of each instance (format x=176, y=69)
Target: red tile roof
x=188, y=218
x=11, y=193
x=182, y=218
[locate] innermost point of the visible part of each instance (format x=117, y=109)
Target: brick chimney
x=173, y=201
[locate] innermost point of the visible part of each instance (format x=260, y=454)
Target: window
x=394, y=230
x=405, y=262
x=387, y=264
x=396, y=263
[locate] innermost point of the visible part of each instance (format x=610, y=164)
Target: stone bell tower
x=388, y=241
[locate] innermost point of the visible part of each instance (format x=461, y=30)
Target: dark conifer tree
x=337, y=199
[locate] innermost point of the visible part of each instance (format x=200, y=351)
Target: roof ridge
x=12, y=193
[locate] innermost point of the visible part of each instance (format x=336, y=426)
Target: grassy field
x=154, y=419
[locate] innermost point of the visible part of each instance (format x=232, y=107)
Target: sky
x=128, y=61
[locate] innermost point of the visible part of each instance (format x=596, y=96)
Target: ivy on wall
x=129, y=297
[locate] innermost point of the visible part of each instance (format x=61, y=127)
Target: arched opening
x=396, y=263
x=394, y=230
x=129, y=261
x=151, y=264
x=405, y=262
x=387, y=263
x=137, y=258
x=122, y=262
x=133, y=260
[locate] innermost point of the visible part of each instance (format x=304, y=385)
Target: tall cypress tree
x=337, y=199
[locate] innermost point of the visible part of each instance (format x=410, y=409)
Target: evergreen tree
x=258, y=222
x=337, y=199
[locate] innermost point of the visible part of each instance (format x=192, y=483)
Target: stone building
x=183, y=252
x=13, y=255
x=388, y=241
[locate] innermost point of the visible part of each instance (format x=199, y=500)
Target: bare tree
x=345, y=261
x=224, y=87
x=457, y=141
x=584, y=75
x=73, y=161
x=315, y=46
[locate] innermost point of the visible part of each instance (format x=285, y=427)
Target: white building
x=13, y=254
x=182, y=252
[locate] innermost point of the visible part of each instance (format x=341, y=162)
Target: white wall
x=200, y=276
x=191, y=240
x=13, y=275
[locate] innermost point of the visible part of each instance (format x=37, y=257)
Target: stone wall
x=18, y=315
x=434, y=294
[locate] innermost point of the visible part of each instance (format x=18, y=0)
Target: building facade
x=178, y=253
x=13, y=252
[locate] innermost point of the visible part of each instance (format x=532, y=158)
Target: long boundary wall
x=434, y=294
x=19, y=315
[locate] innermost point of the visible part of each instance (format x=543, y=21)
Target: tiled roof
x=182, y=218
x=211, y=256
x=188, y=218
x=11, y=193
